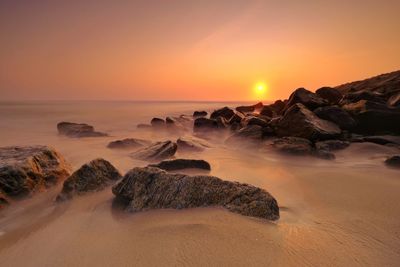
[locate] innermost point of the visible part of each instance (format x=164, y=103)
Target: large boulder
x=180, y=164
x=191, y=144
x=237, y=117
x=157, y=122
x=298, y=121
x=25, y=170
x=72, y=129
x=336, y=115
x=393, y=161
x=152, y=188
x=224, y=112
x=307, y=98
x=128, y=143
x=204, y=124
x=267, y=111
x=93, y=176
x=331, y=95
x=155, y=152
x=278, y=106
x=255, y=120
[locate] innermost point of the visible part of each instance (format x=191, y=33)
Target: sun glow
x=260, y=89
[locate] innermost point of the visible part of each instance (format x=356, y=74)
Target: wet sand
x=344, y=212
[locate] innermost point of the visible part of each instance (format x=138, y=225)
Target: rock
x=71, y=129
x=323, y=154
x=393, y=161
x=222, y=123
x=3, y=201
x=330, y=145
x=394, y=100
x=332, y=95
x=363, y=95
x=298, y=121
x=336, y=115
x=252, y=108
x=250, y=132
x=204, y=124
x=197, y=114
x=307, y=98
x=128, y=143
x=252, y=120
x=157, y=122
x=378, y=122
x=191, y=144
x=156, y=151
x=152, y=188
x=224, y=112
x=267, y=111
x=363, y=105
x=93, y=176
x=278, y=106
x=25, y=170
x=179, y=164
x=237, y=117
x=293, y=145
x=169, y=120
x=143, y=126
x=382, y=139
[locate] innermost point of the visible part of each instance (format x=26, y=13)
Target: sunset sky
x=191, y=50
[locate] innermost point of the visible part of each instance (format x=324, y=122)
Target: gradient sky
x=191, y=50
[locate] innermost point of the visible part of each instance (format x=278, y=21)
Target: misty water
x=344, y=212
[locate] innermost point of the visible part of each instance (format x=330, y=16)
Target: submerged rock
x=72, y=129
x=152, y=188
x=330, y=145
x=93, y=176
x=191, y=144
x=157, y=122
x=393, y=161
x=128, y=143
x=249, y=132
x=204, y=124
x=293, y=145
x=143, y=126
x=25, y=170
x=179, y=164
x=298, y=121
x=156, y=151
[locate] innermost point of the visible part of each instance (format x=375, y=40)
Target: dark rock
x=330, y=145
x=394, y=100
x=157, y=122
x=363, y=95
x=191, y=144
x=152, y=188
x=323, y=154
x=378, y=122
x=278, y=106
x=298, y=121
x=307, y=98
x=25, y=170
x=267, y=111
x=337, y=115
x=250, y=132
x=93, y=176
x=222, y=123
x=204, y=124
x=180, y=164
x=169, y=120
x=293, y=145
x=237, y=117
x=332, y=95
x=252, y=108
x=156, y=151
x=224, y=112
x=393, y=161
x=71, y=129
x=253, y=120
x=3, y=201
x=382, y=140
x=128, y=143
x=364, y=105
x=199, y=114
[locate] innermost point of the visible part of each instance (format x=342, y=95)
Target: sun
x=260, y=88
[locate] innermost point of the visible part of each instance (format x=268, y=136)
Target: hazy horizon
x=191, y=51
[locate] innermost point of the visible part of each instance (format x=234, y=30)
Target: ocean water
x=344, y=212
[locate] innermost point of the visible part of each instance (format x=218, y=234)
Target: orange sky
x=191, y=50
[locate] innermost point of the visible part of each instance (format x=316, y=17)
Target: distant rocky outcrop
x=93, y=176
x=28, y=169
x=180, y=164
x=72, y=129
x=152, y=188
x=155, y=152
x=128, y=143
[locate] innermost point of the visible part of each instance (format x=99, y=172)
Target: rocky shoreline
x=306, y=124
